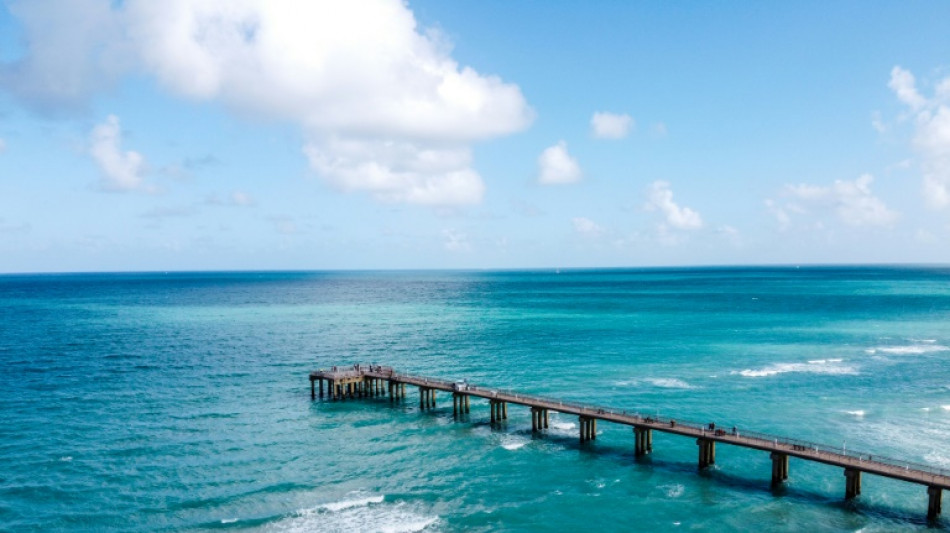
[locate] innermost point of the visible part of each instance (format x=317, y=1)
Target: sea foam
x=815, y=366
x=910, y=349
x=358, y=502
x=669, y=383
x=513, y=443
x=663, y=383
x=362, y=513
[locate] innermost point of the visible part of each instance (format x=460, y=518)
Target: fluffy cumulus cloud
x=610, y=125
x=557, y=167
x=384, y=107
x=932, y=133
x=587, y=227
x=674, y=215
x=121, y=170
x=852, y=202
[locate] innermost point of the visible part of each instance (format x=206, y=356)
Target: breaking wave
x=816, y=366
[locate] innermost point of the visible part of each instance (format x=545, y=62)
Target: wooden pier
x=360, y=381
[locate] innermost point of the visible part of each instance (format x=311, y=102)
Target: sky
x=377, y=134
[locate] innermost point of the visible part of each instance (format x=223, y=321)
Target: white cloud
x=455, y=241
x=605, y=125
x=75, y=48
x=556, y=166
x=933, y=142
x=661, y=199
x=730, y=234
x=877, y=123
x=121, y=171
x=780, y=213
x=905, y=86
x=932, y=136
x=587, y=227
x=851, y=201
x=371, y=90
x=398, y=171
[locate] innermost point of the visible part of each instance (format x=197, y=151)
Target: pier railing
x=764, y=438
x=366, y=381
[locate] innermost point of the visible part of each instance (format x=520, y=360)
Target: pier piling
x=852, y=487
x=707, y=452
x=643, y=440
x=779, y=468
x=935, y=494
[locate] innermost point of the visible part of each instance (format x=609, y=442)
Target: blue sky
x=379, y=134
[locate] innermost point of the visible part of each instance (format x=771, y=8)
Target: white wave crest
x=815, y=366
x=669, y=383
x=358, y=502
x=664, y=383
x=368, y=513
x=564, y=426
x=911, y=349
x=945, y=407
x=857, y=414
x=512, y=443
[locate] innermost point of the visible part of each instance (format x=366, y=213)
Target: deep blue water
x=180, y=402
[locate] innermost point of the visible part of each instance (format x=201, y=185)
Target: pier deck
x=367, y=380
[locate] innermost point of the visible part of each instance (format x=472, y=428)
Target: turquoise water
x=180, y=402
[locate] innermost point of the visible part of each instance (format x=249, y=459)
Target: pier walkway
x=370, y=380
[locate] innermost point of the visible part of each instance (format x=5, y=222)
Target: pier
x=362, y=381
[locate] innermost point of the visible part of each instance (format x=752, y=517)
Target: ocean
x=181, y=401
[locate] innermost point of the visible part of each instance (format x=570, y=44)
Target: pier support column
x=545, y=419
x=455, y=404
x=852, y=486
x=593, y=429
x=933, y=508
x=491, y=408
x=321, y=388
x=403, y=387
x=779, y=468
x=643, y=438
x=587, y=428
x=313, y=391
x=707, y=452
x=468, y=404
x=422, y=398
x=504, y=410
x=535, y=416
